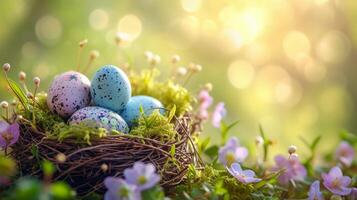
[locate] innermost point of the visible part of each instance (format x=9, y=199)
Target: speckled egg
x=99, y=118
x=111, y=88
x=131, y=112
x=68, y=93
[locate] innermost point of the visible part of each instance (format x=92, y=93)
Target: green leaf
x=225, y=130
x=262, y=132
x=212, y=151
x=315, y=143
x=48, y=168
x=269, y=179
x=155, y=193
x=27, y=189
x=173, y=150
x=61, y=191
x=19, y=93
x=203, y=145
x=171, y=113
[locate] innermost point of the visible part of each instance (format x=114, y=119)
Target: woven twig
x=82, y=167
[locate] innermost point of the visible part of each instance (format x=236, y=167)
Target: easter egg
x=110, y=88
x=131, y=112
x=68, y=93
x=100, y=118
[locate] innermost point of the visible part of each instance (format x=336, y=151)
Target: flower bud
x=6, y=67
x=83, y=43
x=149, y=55
x=14, y=102
x=292, y=149
x=208, y=87
x=29, y=95
x=104, y=167
x=4, y=104
x=181, y=71
x=259, y=140
x=22, y=76
x=37, y=81
x=61, y=158
x=156, y=59
x=195, y=67
x=94, y=54
x=175, y=59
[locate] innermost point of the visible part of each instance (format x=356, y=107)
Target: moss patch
x=169, y=93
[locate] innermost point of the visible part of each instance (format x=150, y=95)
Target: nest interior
x=85, y=167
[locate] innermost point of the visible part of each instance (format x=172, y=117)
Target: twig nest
x=68, y=93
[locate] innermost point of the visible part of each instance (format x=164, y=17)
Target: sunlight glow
x=130, y=25
x=240, y=74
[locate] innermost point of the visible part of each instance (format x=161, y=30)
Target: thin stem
x=25, y=87
x=7, y=114
x=5, y=150
x=188, y=78
x=88, y=66
x=33, y=106
x=79, y=59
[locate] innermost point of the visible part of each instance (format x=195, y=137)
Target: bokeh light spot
x=130, y=25
x=314, y=71
x=48, y=29
x=191, y=5
x=333, y=47
x=240, y=74
x=29, y=49
x=98, y=19
x=296, y=45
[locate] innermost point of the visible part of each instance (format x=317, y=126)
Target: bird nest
x=85, y=167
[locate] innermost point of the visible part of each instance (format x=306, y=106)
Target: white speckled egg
x=131, y=112
x=111, y=88
x=68, y=93
x=99, y=118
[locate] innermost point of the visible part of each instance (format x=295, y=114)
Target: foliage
x=169, y=93
x=155, y=126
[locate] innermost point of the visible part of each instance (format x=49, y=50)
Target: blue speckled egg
x=131, y=112
x=111, y=88
x=68, y=93
x=99, y=118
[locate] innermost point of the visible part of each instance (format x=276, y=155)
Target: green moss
x=155, y=126
x=168, y=92
x=81, y=132
x=45, y=119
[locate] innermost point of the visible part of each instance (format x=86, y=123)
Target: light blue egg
x=131, y=112
x=99, y=118
x=110, y=88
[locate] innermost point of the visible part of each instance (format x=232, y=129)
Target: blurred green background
x=289, y=65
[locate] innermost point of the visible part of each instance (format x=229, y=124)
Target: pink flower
x=218, y=114
x=353, y=194
x=119, y=189
x=205, y=101
x=142, y=175
x=345, y=153
x=293, y=169
x=9, y=134
x=315, y=193
x=336, y=182
x=244, y=176
x=232, y=152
